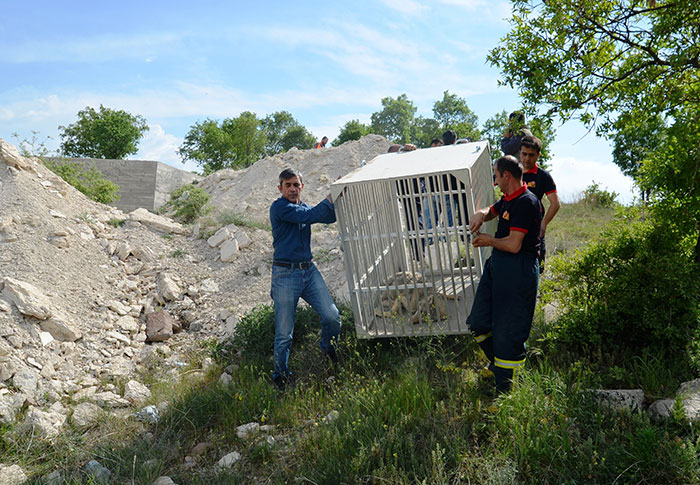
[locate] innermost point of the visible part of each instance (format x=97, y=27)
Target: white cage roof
x=421, y=162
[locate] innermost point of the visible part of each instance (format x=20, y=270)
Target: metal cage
x=403, y=220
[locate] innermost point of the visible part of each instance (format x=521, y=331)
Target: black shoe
x=281, y=382
x=332, y=355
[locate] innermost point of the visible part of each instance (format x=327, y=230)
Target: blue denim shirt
x=291, y=227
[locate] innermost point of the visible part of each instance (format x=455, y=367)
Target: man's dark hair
x=449, y=137
x=288, y=173
x=518, y=116
x=511, y=165
x=531, y=141
x=437, y=142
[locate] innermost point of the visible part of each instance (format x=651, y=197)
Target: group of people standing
x=504, y=304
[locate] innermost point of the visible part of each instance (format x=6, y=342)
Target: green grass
x=408, y=411
x=576, y=224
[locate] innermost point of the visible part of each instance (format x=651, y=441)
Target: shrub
x=89, y=181
x=190, y=202
x=634, y=289
x=594, y=196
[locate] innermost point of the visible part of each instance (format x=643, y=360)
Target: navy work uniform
x=540, y=183
x=504, y=304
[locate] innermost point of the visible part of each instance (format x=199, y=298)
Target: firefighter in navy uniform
x=504, y=304
x=540, y=183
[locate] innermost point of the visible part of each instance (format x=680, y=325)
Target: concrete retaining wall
x=142, y=183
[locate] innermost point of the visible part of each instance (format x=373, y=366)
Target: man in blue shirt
x=294, y=275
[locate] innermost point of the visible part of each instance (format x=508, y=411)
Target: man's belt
x=302, y=265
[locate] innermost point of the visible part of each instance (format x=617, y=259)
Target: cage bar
x=403, y=220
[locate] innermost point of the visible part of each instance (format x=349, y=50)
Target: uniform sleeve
x=304, y=214
x=548, y=184
x=496, y=208
x=524, y=215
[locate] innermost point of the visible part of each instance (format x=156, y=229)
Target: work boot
x=332, y=355
x=281, y=382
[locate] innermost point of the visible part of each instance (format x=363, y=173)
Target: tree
x=208, y=145
x=235, y=143
x=495, y=126
x=423, y=130
x=452, y=113
x=395, y=119
x=352, y=130
x=284, y=132
x=636, y=136
x=102, y=134
x=593, y=60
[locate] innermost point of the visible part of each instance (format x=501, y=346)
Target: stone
x=332, y=416
x=5, y=306
x=45, y=338
x=118, y=337
x=61, y=329
x=144, y=253
x=219, y=237
x=149, y=414
x=26, y=380
x=9, y=407
x=199, y=449
x=109, y=399
x=56, y=214
x=229, y=460
x=53, y=478
x=245, y=431
x=60, y=242
x=164, y=480
x=123, y=250
x=127, y=323
x=117, y=307
x=225, y=379
x=229, y=250
x=45, y=424
x=136, y=393
x=28, y=299
x=12, y=474
x=11, y=156
x=159, y=326
x=98, y=472
x=86, y=414
x=154, y=221
x=168, y=289
x=630, y=399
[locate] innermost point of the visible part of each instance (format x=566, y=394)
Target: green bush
x=594, y=196
x=190, y=202
x=634, y=289
x=89, y=181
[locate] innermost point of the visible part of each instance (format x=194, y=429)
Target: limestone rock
x=229, y=250
x=28, y=298
x=136, y=393
x=99, y=473
x=630, y=399
x=164, y=480
x=225, y=379
x=109, y=399
x=86, y=414
x=26, y=380
x=219, y=237
x=245, y=431
x=229, y=460
x=11, y=474
x=128, y=324
x=156, y=222
x=45, y=424
x=159, y=326
x=11, y=156
x=168, y=289
x=10, y=405
x=60, y=329
x=149, y=414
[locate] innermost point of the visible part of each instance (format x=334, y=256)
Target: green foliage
x=631, y=291
x=395, y=119
x=235, y=143
x=352, y=130
x=89, y=181
x=284, y=132
x=106, y=133
x=636, y=137
x=452, y=113
x=594, y=196
x=116, y=222
x=190, y=202
x=32, y=147
x=541, y=127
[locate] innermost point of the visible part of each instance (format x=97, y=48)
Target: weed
x=116, y=222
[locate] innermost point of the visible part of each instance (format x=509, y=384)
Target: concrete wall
x=142, y=183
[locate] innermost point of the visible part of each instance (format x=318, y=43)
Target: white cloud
x=573, y=176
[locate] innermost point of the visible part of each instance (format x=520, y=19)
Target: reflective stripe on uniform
x=481, y=338
x=509, y=364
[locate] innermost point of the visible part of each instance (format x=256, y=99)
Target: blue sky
x=176, y=63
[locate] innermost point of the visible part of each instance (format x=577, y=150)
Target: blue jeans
x=434, y=209
x=288, y=285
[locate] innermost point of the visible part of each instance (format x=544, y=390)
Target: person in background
x=504, y=303
x=516, y=130
x=322, y=143
x=294, y=274
x=540, y=183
